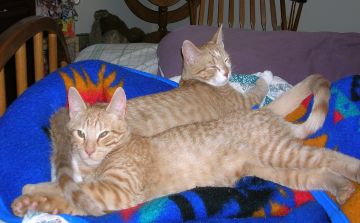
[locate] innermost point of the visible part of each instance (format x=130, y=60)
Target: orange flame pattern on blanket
x=90, y=91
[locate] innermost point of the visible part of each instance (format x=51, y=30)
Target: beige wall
x=318, y=15
x=331, y=15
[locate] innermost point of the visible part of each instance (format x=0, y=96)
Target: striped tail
x=314, y=84
x=63, y=168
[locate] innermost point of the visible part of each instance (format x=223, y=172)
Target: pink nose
x=89, y=151
x=226, y=73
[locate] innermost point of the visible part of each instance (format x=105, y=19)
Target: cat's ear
x=117, y=105
x=190, y=52
x=76, y=103
x=218, y=37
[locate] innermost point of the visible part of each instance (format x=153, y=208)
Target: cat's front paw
x=267, y=76
x=47, y=188
x=31, y=189
x=42, y=203
x=26, y=203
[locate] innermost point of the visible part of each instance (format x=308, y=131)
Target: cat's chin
x=90, y=161
x=217, y=83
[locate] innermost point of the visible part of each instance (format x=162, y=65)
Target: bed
x=26, y=147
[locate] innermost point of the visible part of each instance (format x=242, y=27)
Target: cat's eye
x=103, y=134
x=80, y=133
x=213, y=67
x=227, y=60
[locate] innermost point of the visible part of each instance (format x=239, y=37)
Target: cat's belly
x=201, y=170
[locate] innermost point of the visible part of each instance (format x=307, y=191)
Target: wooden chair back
x=198, y=8
x=13, y=42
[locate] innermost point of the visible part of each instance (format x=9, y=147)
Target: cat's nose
x=89, y=151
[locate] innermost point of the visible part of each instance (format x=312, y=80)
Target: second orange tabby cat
x=120, y=169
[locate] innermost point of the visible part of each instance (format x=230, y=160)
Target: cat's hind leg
x=306, y=179
x=297, y=155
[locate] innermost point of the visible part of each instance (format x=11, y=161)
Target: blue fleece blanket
x=25, y=151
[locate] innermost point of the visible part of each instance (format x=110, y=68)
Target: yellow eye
x=103, y=134
x=80, y=133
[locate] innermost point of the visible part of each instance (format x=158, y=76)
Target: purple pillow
x=290, y=55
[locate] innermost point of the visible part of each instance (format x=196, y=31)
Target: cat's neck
x=191, y=82
x=225, y=90
x=129, y=144
x=228, y=96
x=81, y=170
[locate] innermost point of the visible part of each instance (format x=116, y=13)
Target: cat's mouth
x=219, y=80
x=90, y=161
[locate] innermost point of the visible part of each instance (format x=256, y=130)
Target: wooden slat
x=252, y=14
x=2, y=92
x=192, y=9
x=210, y=13
x=297, y=19
x=283, y=15
x=242, y=13
x=38, y=56
x=220, y=12
x=201, y=12
x=231, y=13
x=21, y=69
x=291, y=17
x=273, y=14
x=263, y=14
x=52, y=42
x=205, y=10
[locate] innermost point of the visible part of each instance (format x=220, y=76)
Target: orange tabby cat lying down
x=120, y=169
x=205, y=95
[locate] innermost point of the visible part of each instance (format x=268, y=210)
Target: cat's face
x=210, y=63
x=96, y=130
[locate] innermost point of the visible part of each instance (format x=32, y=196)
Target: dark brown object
x=162, y=17
x=112, y=22
x=12, y=11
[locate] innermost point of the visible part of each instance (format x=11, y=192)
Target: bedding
x=139, y=56
x=25, y=151
x=291, y=55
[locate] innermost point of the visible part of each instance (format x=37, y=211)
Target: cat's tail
x=63, y=168
x=314, y=84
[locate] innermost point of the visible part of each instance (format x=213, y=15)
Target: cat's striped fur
x=128, y=169
x=205, y=95
x=210, y=63
x=314, y=84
